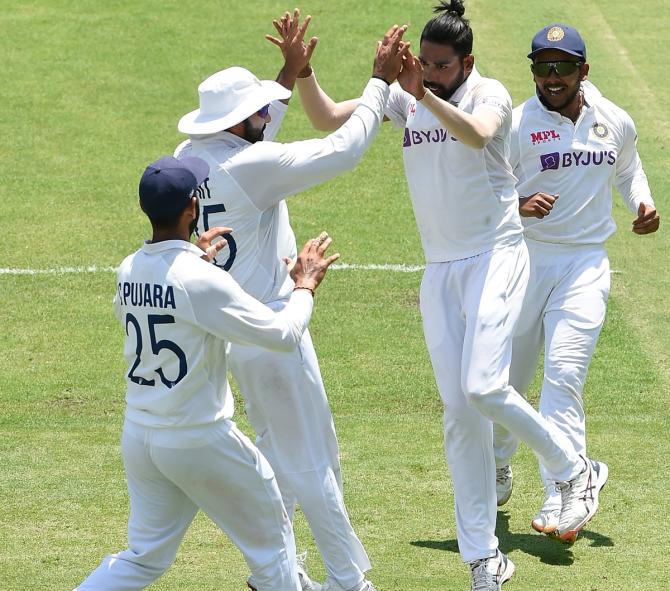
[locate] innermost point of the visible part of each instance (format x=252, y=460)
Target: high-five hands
x=292, y=44
x=411, y=76
x=390, y=52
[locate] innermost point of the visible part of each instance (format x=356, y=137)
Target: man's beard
x=563, y=105
x=251, y=134
x=446, y=92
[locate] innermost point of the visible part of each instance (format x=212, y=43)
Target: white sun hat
x=229, y=97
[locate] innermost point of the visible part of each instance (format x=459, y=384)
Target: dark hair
x=449, y=27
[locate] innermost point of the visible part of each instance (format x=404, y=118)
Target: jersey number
x=156, y=347
x=232, y=245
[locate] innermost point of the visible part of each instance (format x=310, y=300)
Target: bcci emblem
x=600, y=130
x=555, y=34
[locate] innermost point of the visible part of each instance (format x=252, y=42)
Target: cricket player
x=181, y=450
x=569, y=145
x=455, y=147
x=251, y=176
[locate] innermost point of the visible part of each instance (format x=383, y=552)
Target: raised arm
x=269, y=172
x=324, y=113
x=474, y=129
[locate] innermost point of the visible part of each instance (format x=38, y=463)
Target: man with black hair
x=456, y=139
x=182, y=452
x=569, y=145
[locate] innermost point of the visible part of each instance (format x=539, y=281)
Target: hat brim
x=532, y=54
x=195, y=123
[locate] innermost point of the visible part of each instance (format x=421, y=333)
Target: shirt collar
x=165, y=245
x=470, y=82
x=225, y=137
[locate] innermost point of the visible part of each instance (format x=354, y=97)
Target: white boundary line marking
x=393, y=268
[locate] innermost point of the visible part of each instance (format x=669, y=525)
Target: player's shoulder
x=530, y=108
x=183, y=149
x=484, y=86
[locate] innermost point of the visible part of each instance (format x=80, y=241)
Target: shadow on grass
x=548, y=550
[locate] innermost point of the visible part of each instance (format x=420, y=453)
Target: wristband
x=309, y=289
x=381, y=78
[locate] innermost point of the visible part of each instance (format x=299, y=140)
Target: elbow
x=479, y=141
x=328, y=123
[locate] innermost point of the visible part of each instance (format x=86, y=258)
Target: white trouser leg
x=470, y=309
x=467, y=433
x=160, y=514
x=493, y=303
x=574, y=317
x=526, y=347
x=170, y=474
x=287, y=407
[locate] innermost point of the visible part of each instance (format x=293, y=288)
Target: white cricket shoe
x=547, y=518
x=331, y=585
x=306, y=584
x=504, y=483
x=580, y=498
x=489, y=574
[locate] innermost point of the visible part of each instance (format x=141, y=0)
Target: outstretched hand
x=410, y=77
x=206, y=239
x=291, y=42
x=310, y=267
x=390, y=52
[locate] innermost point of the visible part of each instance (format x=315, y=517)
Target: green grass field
x=92, y=92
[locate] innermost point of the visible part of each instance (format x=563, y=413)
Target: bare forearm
x=473, y=131
x=324, y=113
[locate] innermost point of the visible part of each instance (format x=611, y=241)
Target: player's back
x=176, y=369
x=260, y=238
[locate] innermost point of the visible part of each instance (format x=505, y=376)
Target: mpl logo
x=550, y=161
x=542, y=137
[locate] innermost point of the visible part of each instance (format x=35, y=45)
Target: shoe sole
x=602, y=480
x=508, y=574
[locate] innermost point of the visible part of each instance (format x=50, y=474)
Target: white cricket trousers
x=173, y=472
x=470, y=308
x=287, y=406
x=564, y=308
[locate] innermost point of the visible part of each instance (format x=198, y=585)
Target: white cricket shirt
x=464, y=199
x=248, y=184
x=179, y=313
x=580, y=162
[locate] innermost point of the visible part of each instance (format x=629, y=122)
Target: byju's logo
x=550, y=161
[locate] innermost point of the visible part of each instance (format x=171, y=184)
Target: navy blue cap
x=558, y=36
x=167, y=185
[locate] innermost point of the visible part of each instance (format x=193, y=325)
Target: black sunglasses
x=561, y=68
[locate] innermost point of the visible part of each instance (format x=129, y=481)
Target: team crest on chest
x=555, y=34
x=600, y=130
